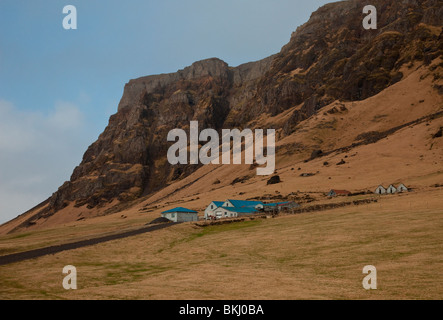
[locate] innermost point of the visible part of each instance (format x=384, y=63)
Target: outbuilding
x=380, y=190
x=180, y=214
x=280, y=206
x=402, y=188
x=391, y=189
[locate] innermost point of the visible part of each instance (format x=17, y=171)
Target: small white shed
x=402, y=188
x=391, y=189
x=180, y=215
x=380, y=190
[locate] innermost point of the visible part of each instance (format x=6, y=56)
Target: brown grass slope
x=410, y=155
x=307, y=256
x=309, y=86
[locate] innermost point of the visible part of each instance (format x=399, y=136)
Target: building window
x=212, y=206
x=173, y=215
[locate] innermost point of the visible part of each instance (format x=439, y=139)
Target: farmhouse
x=380, y=190
x=336, y=193
x=391, y=189
x=233, y=212
x=243, y=204
x=210, y=210
x=232, y=208
x=180, y=215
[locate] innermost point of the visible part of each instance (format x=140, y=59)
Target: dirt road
x=32, y=254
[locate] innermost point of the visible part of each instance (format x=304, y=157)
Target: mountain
x=330, y=68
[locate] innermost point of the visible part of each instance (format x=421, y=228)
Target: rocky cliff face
x=129, y=158
x=333, y=57
x=330, y=57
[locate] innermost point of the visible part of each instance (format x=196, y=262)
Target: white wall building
x=402, y=188
x=210, y=210
x=391, y=189
x=180, y=215
x=380, y=190
x=232, y=208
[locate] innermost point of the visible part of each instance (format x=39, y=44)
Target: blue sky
x=58, y=87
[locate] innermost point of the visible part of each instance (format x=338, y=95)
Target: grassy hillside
x=308, y=256
x=401, y=121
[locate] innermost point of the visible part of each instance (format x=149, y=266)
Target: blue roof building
x=209, y=211
x=238, y=211
x=180, y=209
x=242, y=203
x=180, y=214
x=232, y=208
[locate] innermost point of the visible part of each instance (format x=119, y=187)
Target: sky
x=58, y=87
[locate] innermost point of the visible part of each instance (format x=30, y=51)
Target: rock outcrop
x=330, y=57
x=129, y=158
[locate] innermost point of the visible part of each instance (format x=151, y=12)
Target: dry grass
x=72, y=232
x=308, y=256
x=409, y=155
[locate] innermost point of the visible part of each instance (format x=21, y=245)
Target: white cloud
x=38, y=152
x=66, y=115
x=12, y=137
